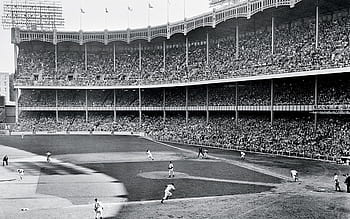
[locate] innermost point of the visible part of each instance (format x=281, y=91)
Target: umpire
x=347, y=182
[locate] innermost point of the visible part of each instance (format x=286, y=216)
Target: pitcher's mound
x=162, y=175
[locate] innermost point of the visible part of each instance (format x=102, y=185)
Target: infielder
x=20, y=173
x=294, y=175
x=167, y=192
x=98, y=208
x=171, y=169
x=48, y=156
x=149, y=154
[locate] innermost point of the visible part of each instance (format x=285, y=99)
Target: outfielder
x=167, y=192
x=294, y=175
x=171, y=169
x=242, y=155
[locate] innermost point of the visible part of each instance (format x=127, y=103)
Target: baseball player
x=149, y=154
x=294, y=175
x=20, y=173
x=48, y=156
x=167, y=192
x=5, y=160
x=336, y=182
x=98, y=208
x=205, y=153
x=171, y=169
x=242, y=155
x=200, y=152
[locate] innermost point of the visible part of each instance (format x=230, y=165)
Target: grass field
x=116, y=169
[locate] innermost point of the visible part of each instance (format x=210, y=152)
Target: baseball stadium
x=222, y=106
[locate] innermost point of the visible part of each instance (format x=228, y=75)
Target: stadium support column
x=207, y=49
x=140, y=78
x=237, y=40
x=186, y=106
x=85, y=53
x=86, y=106
x=114, y=105
x=164, y=61
x=317, y=25
x=56, y=98
x=186, y=56
x=114, y=64
x=15, y=56
x=271, y=100
x=56, y=68
x=18, y=91
x=316, y=103
x=273, y=35
x=236, y=103
x=207, y=103
x=164, y=103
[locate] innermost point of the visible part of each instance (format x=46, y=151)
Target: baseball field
x=117, y=171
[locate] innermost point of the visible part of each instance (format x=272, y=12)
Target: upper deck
x=211, y=19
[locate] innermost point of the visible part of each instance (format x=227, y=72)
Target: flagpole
x=80, y=19
x=128, y=17
x=149, y=11
x=184, y=9
x=167, y=11
x=106, y=13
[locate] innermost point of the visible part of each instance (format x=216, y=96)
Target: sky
x=96, y=19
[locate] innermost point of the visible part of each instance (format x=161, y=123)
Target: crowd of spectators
x=294, y=50
x=288, y=134
x=332, y=91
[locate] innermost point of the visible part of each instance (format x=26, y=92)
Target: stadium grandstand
x=269, y=76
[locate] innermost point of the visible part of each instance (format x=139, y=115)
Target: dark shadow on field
x=140, y=188
x=76, y=144
x=32, y=168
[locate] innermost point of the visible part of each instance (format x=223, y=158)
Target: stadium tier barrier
x=75, y=133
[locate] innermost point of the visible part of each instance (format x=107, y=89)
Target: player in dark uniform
x=200, y=152
x=5, y=160
x=347, y=182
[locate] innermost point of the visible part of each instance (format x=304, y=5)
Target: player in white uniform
x=149, y=154
x=48, y=156
x=336, y=182
x=98, y=208
x=171, y=169
x=167, y=192
x=294, y=175
x=242, y=155
x=20, y=173
x=205, y=153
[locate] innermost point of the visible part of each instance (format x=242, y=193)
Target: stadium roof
x=212, y=23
